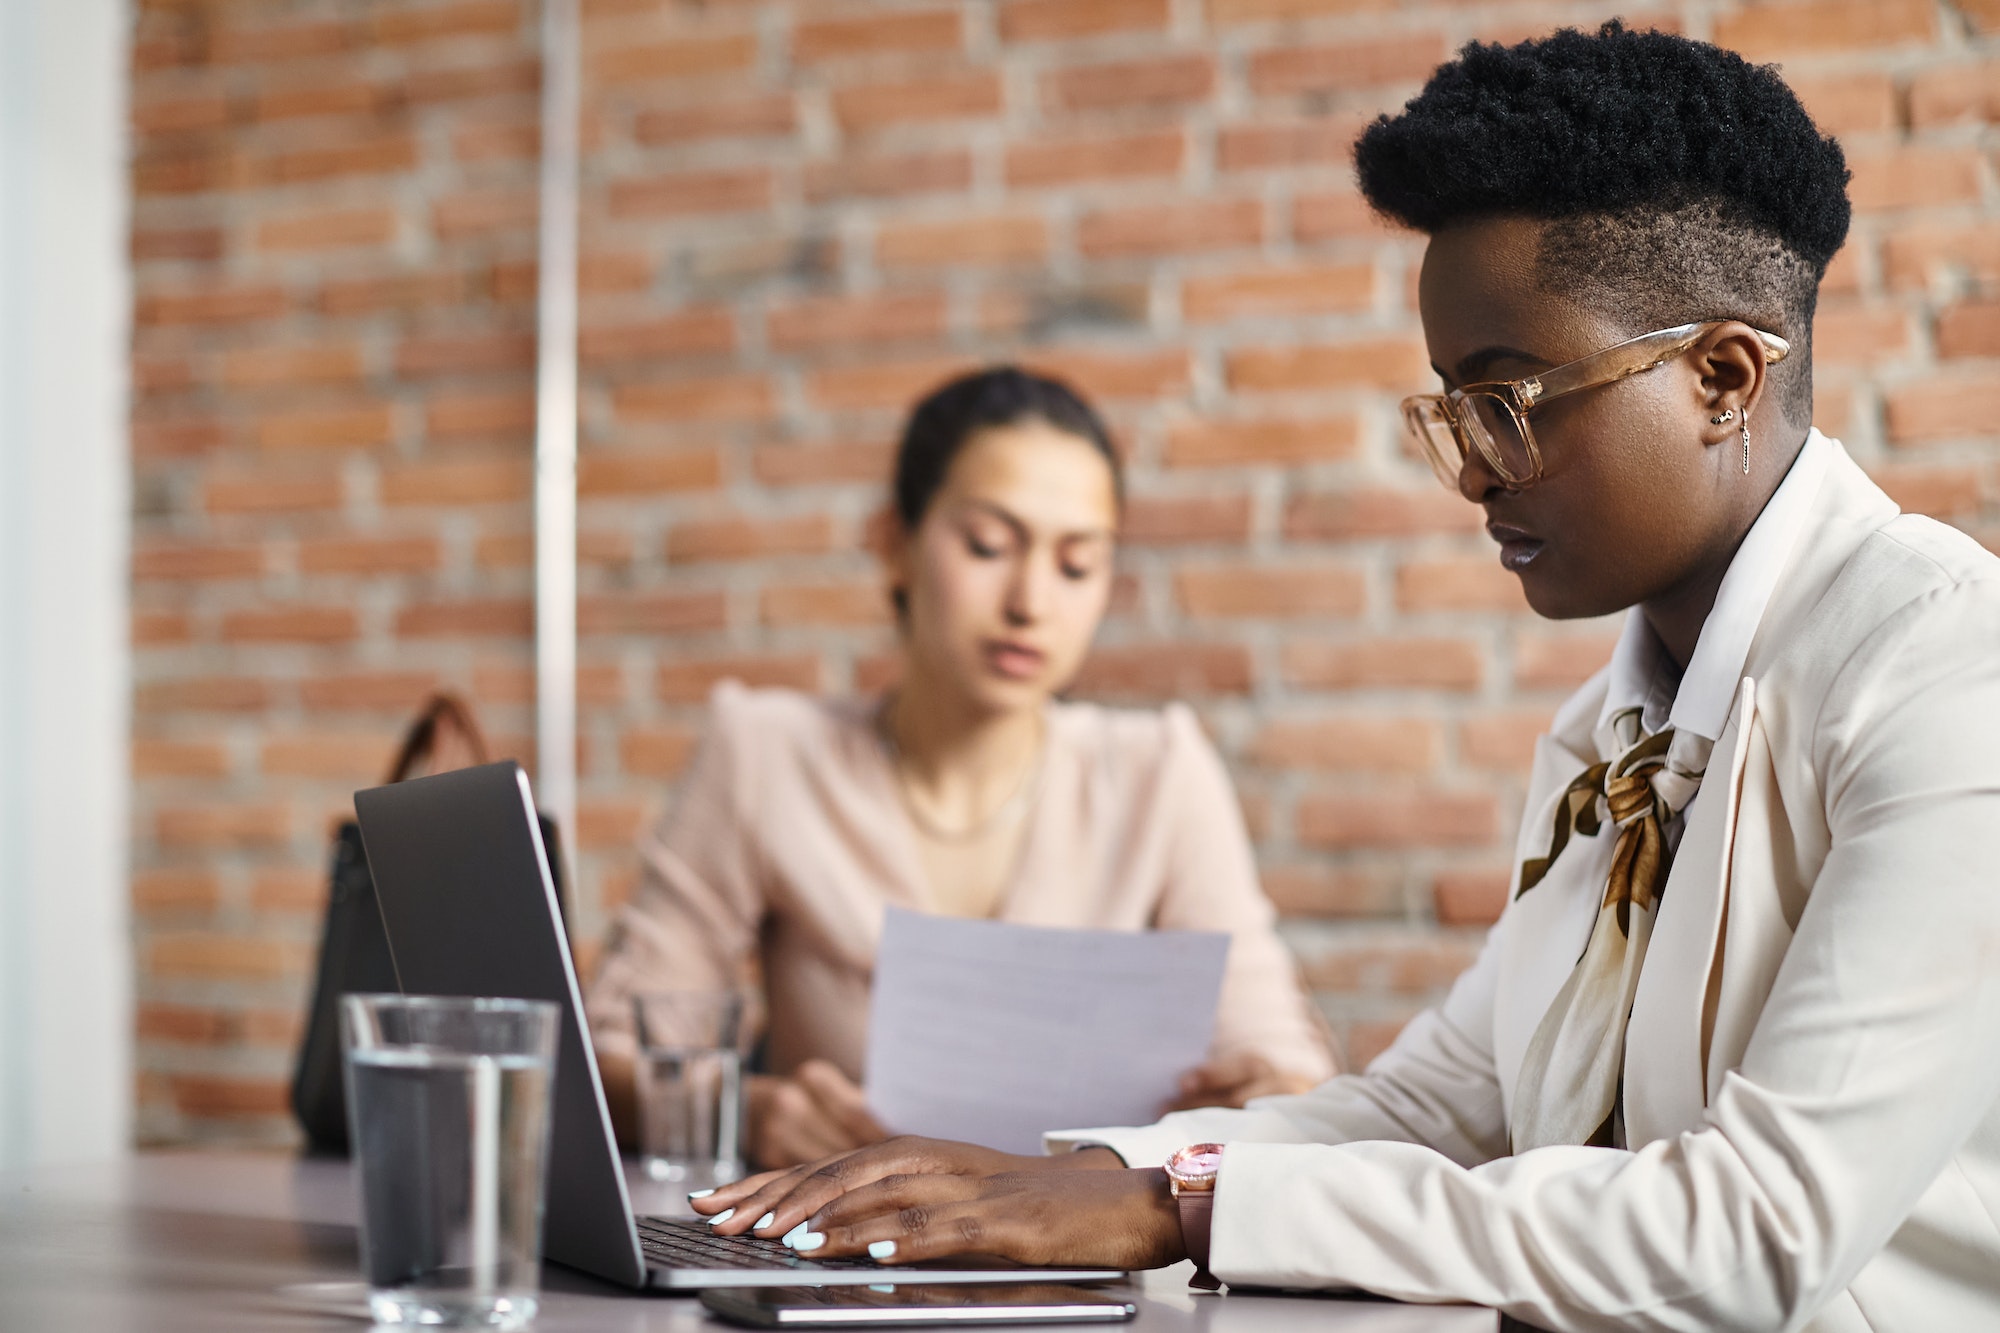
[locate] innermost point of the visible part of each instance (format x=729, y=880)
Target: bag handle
x=442, y=712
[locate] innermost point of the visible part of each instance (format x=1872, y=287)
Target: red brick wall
x=798, y=216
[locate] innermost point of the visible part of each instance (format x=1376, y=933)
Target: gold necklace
x=1025, y=787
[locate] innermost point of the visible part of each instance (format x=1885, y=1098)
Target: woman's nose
x=1476, y=480
x=1027, y=592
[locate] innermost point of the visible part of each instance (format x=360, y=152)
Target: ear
x=895, y=546
x=1734, y=373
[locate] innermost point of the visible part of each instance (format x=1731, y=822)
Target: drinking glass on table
x=690, y=1085
x=448, y=1108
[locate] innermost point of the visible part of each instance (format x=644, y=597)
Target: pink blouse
x=790, y=837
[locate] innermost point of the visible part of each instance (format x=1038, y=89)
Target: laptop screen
x=470, y=909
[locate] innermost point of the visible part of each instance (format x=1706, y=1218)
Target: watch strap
x=1197, y=1208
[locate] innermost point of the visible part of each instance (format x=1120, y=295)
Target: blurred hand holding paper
x=992, y=1033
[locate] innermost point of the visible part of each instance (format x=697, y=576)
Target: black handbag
x=354, y=947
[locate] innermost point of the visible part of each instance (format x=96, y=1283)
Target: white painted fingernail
x=722, y=1217
x=809, y=1242
x=699, y=1194
x=791, y=1238
x=882, y=1249
x=764, y=1221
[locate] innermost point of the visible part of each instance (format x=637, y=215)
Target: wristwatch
x=1191, y=1175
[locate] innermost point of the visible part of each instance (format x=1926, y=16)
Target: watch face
x=1200, y=1162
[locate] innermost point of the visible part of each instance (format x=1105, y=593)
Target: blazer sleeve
x=693, y=919
x=1212, y=885
x=1874, y=1059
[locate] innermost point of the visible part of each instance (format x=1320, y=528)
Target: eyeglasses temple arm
x=1640, y=354
x=1629, y=358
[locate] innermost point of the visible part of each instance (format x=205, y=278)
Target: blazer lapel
x=1544, y=930
x=1664, y=1045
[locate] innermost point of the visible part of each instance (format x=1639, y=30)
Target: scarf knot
x=1572, y=1073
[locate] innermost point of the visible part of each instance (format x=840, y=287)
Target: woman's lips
x=1518, y=548
x=1016, y=661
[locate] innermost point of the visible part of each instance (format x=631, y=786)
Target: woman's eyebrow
x=1474, y=365
x=1021, y=527
x=1000, y=512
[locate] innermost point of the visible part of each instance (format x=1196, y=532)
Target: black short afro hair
x=1682, y=182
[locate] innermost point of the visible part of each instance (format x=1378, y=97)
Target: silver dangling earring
x=1746, y=444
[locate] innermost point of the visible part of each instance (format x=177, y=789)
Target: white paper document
x=992, y=1033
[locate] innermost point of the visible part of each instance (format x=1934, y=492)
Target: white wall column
x=555, y=426
x=65, y=293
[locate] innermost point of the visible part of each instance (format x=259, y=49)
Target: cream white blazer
x=1812, y=1094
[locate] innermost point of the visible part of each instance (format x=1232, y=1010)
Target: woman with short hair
x=1731, y=1057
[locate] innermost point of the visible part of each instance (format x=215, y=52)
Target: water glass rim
x=474, y=1004
x=690, y=993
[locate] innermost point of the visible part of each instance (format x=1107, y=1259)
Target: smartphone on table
x=888, y=1303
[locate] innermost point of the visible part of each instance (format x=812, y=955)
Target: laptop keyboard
x=687, y=1242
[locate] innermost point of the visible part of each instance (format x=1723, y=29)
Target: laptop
x=470, y=909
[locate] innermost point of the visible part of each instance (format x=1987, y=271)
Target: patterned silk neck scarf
x=1573, y=1072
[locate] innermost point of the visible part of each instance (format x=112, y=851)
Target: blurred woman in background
x=967, y=789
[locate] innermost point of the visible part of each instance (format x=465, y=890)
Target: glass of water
x=690, y=1078
x=448, y=1110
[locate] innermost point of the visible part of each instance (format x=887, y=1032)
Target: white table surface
x=222, y=1241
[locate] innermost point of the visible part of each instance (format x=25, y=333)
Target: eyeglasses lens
x=1499, y=436
x=1431, y=428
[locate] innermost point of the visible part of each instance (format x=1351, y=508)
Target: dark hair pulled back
x=998, y=396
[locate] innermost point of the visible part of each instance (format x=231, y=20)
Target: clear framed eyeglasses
x=1492, y=417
